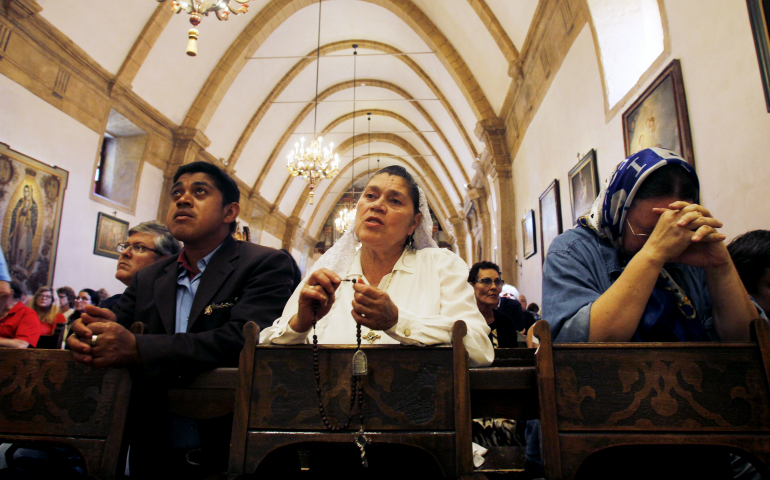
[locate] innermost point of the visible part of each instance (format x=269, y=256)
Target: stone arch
x=276, y=12
x=309, y=107
x=393, y=115
x=343, y=45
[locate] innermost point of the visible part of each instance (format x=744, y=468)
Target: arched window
x=630, y=38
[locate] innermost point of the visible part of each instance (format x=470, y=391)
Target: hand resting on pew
x=99, y=341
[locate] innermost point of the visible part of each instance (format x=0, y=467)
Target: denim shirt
x=581, y=266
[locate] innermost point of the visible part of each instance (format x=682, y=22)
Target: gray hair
x=164, y=242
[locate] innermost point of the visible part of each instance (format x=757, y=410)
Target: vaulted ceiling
x=427, y=70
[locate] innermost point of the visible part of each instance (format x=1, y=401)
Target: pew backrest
x=45, y=396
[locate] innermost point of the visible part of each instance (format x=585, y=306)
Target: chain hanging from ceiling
x=315, y=162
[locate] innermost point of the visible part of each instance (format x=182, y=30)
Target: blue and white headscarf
x=668, y=307
x=608, y=213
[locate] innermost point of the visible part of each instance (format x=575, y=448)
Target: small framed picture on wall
x=583, y=185
x=528, y=234
x=550, y=217
x=110, y=231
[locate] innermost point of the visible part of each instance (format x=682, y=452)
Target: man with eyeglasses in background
x=147, y=243
x=504, y=324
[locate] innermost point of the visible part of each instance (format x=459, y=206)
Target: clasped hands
x=372, y=307
x=115, y=346
x=687, y=233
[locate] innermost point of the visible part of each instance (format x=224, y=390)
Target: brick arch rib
x=248, y=131
x=276, y=12
x=380, y=112
x=322, y=96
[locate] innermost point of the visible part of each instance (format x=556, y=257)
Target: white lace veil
x=339, y=258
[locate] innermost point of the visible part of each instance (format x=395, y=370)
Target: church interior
x=487, y=102
x=510, y=114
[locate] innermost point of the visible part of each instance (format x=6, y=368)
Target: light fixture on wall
x=198, y=8
x=315, y=162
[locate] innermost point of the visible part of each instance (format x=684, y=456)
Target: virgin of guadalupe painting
x=31, y=195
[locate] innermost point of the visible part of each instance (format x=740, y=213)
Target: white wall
x=270, y=240
x=728, y=117
x=33, y=127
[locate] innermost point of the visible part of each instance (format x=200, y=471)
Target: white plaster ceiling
x=108, y=39
x=170, y=81
x=515, y=16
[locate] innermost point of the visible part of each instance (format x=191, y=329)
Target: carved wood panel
x=703, y=389
x=48, y=393
x=406, y=388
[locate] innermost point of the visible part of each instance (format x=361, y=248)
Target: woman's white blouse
x=431, y=290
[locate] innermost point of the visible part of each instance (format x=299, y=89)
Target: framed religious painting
x=550, y=217
x=31, y=198
x=658, y=118
x=528, y=234
x=583, y=185
x=110, y=231
x=759, y=10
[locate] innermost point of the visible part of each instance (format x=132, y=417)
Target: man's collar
x=202, y=263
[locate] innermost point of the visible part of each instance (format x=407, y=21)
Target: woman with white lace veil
x=398, y=285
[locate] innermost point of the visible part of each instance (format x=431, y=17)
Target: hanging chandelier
x=345, y=218
x=197, y=8
x=314, y=163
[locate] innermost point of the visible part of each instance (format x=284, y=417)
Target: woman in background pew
x=47, y=309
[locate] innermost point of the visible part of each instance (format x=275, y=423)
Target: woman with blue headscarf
x=646, y=264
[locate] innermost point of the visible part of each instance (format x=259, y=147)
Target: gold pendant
x=371, y=337
x=359, y=364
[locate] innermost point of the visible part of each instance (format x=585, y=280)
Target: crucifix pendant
x=371, y=336
x=361, y=441
x=360, y=366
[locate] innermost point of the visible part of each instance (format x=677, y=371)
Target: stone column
x=188, y=143
x=459, y=233
x=496, y=164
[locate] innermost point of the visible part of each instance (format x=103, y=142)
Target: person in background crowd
x=47, y=310
x=485, y=279
x=103, y=295
x=750, y=253
x=5, y=283
x=66, y=301
x=534, y=309
x=85, y=297
x=523, y=301
x=19, y=326
x=509, y=291
x=147, y=243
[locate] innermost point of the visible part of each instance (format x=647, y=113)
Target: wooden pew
x=505, y=389
x=413, y=396
x=595, y=396
x=45, y=396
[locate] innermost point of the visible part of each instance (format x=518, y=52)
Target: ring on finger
x=93, y=339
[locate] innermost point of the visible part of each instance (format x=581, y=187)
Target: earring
x=410, y=240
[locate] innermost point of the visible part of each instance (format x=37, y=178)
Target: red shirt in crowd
x=46, y=329
x=21, y=323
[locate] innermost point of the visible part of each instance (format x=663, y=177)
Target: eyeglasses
x=634, y=233
x=487, y=282
x=47, y=297
x=135, y=248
